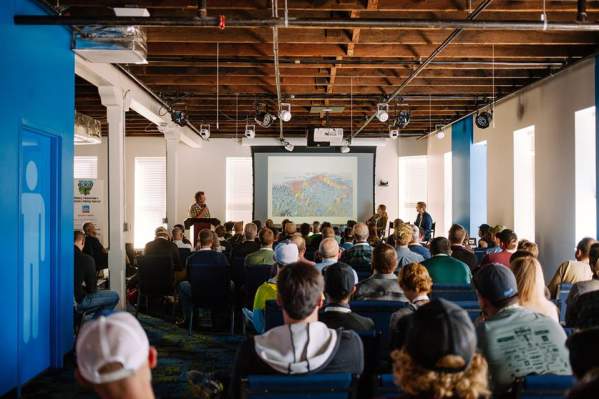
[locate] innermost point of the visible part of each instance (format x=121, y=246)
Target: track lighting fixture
x=179, y=117
x=287, y=145
x=440, y=134
x=393, y=133
x=483, y=119
x=250, y=131
x=205, y=132
x=403, y=119
x=382, y=112
x=345, y=147
x=285, y=112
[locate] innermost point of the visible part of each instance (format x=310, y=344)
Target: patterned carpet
x=177, y=355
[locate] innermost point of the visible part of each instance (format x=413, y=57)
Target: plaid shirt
x=359, y=257
x=196, y=211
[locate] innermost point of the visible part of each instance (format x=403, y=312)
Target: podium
x=198, y=225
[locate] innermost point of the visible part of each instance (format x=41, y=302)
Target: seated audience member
x=494, y=244
x=258, y=224
x=528, y=246
x=347, y=241
x=403, y=237
x=508, y=242
x=439, y=359
x=444, y=269
x=373, y=238
x=270, y=224
x=573, y=271
x=584, y=359
x=306, y=231
x=457, y=238
x=315, y=229
x=237, y=237
x=329, y=253
x=162, y=246
x=298, y=240
x=93, y=246
x=416, y=284
x=205, y=256
x=86, y=291
x=222, y=240
x=328, y=232
x=303, y=345
x=288, y=230
x=360, y=255
x=382, y=285
x=415, y=245
x=229, y=226
x=483, y=235
x=216, y=244
x=286, y=253
x=114, y=358
x=531, y=286
x=178, y=239
x=248, y=245
x=583, y=287
x=379, y=220
x=182, y=228
x=339, y=285
x=265, y=255
x=512, y=336
x=393, y=237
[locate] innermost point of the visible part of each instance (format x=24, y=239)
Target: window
x=150, y=198
x=412, y=184
x=447, y=193
x=239, y=189
x=478, y=184
x=585, y=172
x=85, y=167
x=524, y=183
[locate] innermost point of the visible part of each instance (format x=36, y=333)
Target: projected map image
x=305, y=188
x=319, y=195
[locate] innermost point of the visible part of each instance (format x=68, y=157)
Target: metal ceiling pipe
x=308, y=23
x=428, y=60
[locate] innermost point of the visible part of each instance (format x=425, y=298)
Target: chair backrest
x=318, y=386
x=379, y=311
x=454, y=292
x=363, y=275
x=547, y=386
x=156, y=275
x=480, y=254
x=562, y=296
x=386, y=387
x=273, y=315
x=237, y=272
x=254, y=276
x=371, y=342
x=210, y=285
x=184, y=254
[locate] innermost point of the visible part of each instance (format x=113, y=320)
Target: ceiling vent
x=111, y=45
x=333, y=109
x=87, y=130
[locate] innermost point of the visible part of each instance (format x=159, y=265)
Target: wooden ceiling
x=355, y=67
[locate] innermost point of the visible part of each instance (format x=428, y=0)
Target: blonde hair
x=529, y=277
x=404, y=235
x=413, y=379
x=415, y=277
x=529, y=246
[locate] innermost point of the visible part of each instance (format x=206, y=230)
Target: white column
x=172, y=134
x=112, y=99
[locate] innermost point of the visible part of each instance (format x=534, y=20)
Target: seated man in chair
x=303, y=345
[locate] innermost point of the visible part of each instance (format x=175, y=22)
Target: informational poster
x=89, y=205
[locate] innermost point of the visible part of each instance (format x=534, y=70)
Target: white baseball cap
x=118, y=338
x=286, y=253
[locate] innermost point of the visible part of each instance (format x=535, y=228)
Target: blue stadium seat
x=480, y=254
x=454, y=292
x=318, y=386
x=562, y=296
x=273, y=316
x=386, y=387
x=547, y=386
x=380, y=312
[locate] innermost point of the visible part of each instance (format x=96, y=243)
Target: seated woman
x=439, y=358
x=380, y=219
x=416, y=284
x=531, y=286
x=373, y=238
x=393, y=237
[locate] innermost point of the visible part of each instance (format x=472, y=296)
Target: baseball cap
x=495, y=282
x=338, y=280
x=438, y=329
x=118, y=338
x=286, y=253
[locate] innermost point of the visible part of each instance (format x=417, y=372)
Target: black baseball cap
x=495, y=282
x=339, y=280
x=438, y=329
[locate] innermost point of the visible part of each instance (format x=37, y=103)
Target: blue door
x=37, y=240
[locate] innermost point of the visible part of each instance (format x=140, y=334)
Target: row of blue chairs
x=344, y=386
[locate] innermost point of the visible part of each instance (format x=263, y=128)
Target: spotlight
x=179, y=118
x=382, y=112
x=205, y=132
x=285, y=112
x=250, y=131
x=265, y=119
x=483, y=119
x=403, y=119
x=287, y=145
x=345, y=147
x=440, y=134
x=393, y=133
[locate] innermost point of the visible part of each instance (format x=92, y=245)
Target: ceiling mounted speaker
x=483, y=119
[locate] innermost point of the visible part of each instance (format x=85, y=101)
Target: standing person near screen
x=199, y=209
x=424, y=221
x=380, y=218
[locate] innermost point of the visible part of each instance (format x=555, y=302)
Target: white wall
x=205, y=168
x=549, y=105
x=436, y=148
